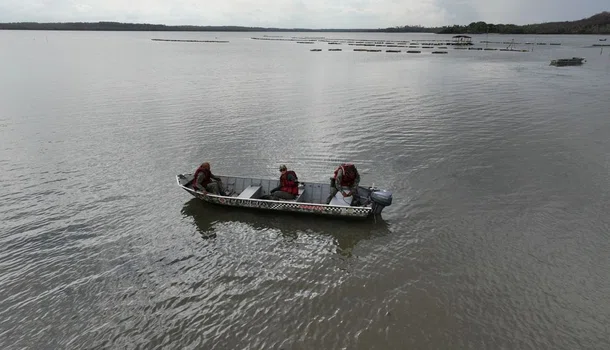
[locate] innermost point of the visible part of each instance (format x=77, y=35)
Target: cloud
x=522, y=11
x=284, y=13
x=300, y=13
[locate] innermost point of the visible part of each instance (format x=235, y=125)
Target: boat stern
x=379, y=200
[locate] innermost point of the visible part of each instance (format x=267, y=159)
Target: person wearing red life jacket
x=204, y=180
x=346, y=176
x=289, y=185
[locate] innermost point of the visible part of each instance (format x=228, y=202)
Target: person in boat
x=346, y=175
x=204, y=180
x=288, y=188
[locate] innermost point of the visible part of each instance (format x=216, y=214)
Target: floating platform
x=562, y=62
x=271, y=39
x=516, y=43
x=191, y=41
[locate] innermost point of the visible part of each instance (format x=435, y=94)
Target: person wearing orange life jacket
x=289, y=185
x=346, y=175
x=204, y=180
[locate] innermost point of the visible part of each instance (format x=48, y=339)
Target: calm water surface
x=498, y=236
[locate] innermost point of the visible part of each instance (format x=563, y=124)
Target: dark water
x=499, y=163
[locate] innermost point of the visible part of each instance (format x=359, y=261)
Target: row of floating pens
x=378, y=50
x=419, y=51
x=510, y=47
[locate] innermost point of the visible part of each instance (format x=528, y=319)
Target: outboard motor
x=380, y=199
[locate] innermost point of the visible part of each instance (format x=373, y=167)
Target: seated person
x=204, y=180
x=288, y=188
x=346, y=175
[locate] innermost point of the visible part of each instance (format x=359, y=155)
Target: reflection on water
x=345, y=233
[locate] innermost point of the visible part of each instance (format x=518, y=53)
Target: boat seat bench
x=339, y=200
x=252, y=192
x=255, y=192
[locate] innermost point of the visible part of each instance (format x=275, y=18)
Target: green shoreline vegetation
x=596, y=24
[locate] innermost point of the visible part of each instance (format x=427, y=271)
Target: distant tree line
x=117, y=26
x=597, y=24
x=410, y=29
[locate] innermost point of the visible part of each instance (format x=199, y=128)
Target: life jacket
x=205, y=172
x=349, y=174
x=291, y=187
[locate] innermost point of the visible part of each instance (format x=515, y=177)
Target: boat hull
x=280, y=205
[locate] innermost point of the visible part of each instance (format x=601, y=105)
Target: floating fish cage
x=562, y=62
x=191, y=41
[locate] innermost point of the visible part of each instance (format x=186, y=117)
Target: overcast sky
x=302, y=13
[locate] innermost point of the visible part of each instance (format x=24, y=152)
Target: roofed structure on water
x=462, y=40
